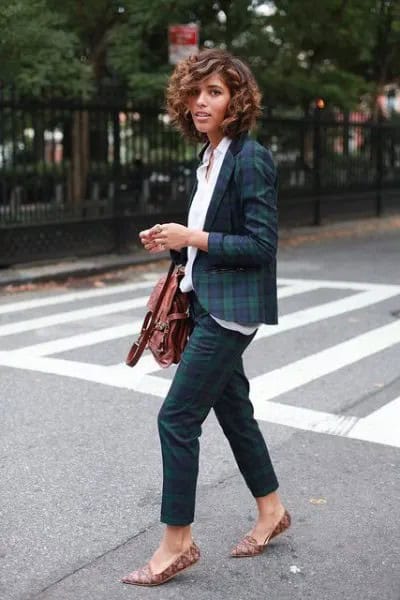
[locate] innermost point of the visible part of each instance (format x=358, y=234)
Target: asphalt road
x=79, y=453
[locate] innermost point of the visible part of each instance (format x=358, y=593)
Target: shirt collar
x=219, y=150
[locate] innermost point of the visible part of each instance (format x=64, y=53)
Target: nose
x=201, y=99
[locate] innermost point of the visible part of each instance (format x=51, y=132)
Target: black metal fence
x=77, y=179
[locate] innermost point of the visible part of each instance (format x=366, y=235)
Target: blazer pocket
x=232, y=269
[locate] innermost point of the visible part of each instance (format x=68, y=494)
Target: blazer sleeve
x=256, y=179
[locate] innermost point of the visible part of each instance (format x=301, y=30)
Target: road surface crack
x=37, y=595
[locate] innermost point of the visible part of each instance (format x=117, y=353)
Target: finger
x=156, y=229
x=153, y=234
x=147, y=235
x=146, y=240
x=160, y=240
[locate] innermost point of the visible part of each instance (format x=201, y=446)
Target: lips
x=201, y=114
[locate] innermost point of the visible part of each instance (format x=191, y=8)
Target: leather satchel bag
x=166, y=326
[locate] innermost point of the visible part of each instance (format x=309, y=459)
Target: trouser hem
x=265, y=491
x=175, y=522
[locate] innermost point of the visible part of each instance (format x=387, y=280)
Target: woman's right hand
x=147, y=237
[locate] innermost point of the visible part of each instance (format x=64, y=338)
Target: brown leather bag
x=166, y=326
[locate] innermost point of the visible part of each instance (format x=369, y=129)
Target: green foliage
x=36, y=51
x=299, y=50
x=336, y=49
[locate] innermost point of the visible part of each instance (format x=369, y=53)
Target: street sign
x=183, y=41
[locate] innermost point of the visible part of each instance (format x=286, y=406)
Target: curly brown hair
x=244, y=106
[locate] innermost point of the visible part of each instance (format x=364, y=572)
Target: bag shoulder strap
x=164, y=289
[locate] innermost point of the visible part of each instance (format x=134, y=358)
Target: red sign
x=183, y=41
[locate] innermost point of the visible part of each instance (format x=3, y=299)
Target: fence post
x=317, y=167
x=2, y=155
x=118, y=209
x=346, y=133
x=379, y=166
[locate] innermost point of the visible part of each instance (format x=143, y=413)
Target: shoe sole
x=265, y=545
x=161, y=582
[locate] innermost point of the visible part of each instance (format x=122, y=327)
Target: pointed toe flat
x=248, y=546
x=145, y=576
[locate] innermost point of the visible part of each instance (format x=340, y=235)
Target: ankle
x=269, y=506
x=177, y=539
x=270, y=513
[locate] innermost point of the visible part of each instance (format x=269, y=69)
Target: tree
x=381, y=62
x=144, y=65
x=300, y=49
x=38, y=53
x=337, y=49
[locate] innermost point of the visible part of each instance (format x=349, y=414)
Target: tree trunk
x=79, y=158
x=99, y=136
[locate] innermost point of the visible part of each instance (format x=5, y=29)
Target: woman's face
x=208, y=105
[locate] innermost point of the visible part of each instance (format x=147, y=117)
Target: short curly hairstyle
x=244, y=106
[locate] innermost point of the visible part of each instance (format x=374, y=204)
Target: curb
x=95, y=265
x=85, y=268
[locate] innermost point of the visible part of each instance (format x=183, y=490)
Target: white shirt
x=197, y=217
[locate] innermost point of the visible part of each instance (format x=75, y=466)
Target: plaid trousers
x=210, y=375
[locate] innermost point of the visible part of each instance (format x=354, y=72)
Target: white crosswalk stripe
x=277, y=382
x=74, y=297
x=381, y=426
x=71, y=316
x=267, y=388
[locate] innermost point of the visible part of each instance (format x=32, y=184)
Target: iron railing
x=108, y=163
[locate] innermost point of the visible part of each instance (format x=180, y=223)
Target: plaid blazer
x=236, y=279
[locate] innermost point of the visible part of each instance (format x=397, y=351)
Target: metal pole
x=317, y=167
x=379, y=167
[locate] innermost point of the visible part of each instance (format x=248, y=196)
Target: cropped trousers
x=210, y=375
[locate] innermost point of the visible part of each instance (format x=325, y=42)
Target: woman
x=229, y=249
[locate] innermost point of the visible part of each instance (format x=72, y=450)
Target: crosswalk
x=121, y=308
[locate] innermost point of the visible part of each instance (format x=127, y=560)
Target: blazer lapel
x=220, y=187
x=224, y=176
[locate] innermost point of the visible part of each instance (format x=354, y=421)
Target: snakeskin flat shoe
x=248, y=546
x=145, y=576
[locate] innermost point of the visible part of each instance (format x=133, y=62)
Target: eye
x=215, y=92
x=193, y=92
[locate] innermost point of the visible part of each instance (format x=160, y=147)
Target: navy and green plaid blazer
x=236, y=279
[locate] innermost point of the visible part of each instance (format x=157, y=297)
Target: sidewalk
x=61, y=270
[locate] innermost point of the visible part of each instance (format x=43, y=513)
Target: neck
x=214, y=138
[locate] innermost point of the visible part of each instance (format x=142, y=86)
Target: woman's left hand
x=171, y=236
